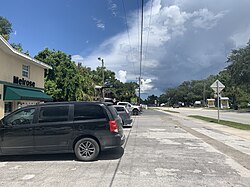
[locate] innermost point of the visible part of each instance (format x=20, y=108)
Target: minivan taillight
x=113, y=126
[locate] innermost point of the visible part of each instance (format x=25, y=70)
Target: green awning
x=14, y=93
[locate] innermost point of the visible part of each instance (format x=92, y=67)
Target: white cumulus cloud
x=146, y=85
x=77, y=58
x=99, y=23
x=122, y=76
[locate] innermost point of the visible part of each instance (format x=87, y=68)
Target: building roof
x=210, y=99
x=6, y=47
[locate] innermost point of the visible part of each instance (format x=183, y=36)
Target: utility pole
x=142, y=2
x=204, y=94
x=102, y=60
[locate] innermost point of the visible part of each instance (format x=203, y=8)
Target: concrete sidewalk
x=235, y=138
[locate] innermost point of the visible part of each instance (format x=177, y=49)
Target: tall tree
x=152, y=99
x=239, y=75
x=239, y=67
x=5, y=28
x=66, y=81
x=19, y=48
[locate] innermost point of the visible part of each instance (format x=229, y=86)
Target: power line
x=149, y=25
x=128, y=34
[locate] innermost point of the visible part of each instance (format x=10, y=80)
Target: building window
x=7, y=107
x=25, y=71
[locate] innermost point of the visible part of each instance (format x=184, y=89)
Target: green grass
x=223, y=122
x=171, y=111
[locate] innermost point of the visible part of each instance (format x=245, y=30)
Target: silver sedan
x=124, y=114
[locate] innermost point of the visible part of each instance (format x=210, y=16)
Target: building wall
x=12, y=66
x=1, y=101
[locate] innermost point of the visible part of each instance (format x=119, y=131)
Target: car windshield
x=119, y=109
x=124, y=104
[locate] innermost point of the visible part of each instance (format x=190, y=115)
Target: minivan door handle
x=40, y=128
x=28, y=129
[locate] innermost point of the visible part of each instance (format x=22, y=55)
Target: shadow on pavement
x=111, y=154
x=38, y=157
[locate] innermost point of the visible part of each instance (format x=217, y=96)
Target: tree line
x=68, y=81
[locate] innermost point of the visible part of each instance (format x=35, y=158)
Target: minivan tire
x=86, y=149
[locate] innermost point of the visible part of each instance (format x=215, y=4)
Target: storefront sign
x=22, y=81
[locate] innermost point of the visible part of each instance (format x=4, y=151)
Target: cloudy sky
x=182, y=39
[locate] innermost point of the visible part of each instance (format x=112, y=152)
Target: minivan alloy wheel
x=86, y=149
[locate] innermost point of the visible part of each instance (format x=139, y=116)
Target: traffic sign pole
x=218, y=101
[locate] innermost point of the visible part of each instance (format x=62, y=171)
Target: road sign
x=217, y=86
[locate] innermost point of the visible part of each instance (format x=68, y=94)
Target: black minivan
x=85, y=128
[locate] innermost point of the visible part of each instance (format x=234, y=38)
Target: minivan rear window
x=84, y=112
x=113, y=111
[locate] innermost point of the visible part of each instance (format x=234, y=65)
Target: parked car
x=85, y=128
x=176, y=105
x=134, y=109
x=124, y=114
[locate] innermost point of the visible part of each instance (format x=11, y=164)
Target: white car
x=134, y=109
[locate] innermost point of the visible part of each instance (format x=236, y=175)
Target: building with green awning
x=12, y=93
x=21, y=79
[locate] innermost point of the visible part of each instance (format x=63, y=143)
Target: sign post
x=217, y=86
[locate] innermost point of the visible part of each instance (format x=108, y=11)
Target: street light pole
x=102, y=60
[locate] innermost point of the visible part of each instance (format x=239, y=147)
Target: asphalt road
x=161, y=150
x=236, y=116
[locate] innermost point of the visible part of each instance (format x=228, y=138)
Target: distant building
x=224, y=102
x=98, y=93
x=21, y=79
x=210, y=103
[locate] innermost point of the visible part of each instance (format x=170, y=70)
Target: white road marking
x=161, y=172
x=16, y=167
x=28, y=177
x=2, y=164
